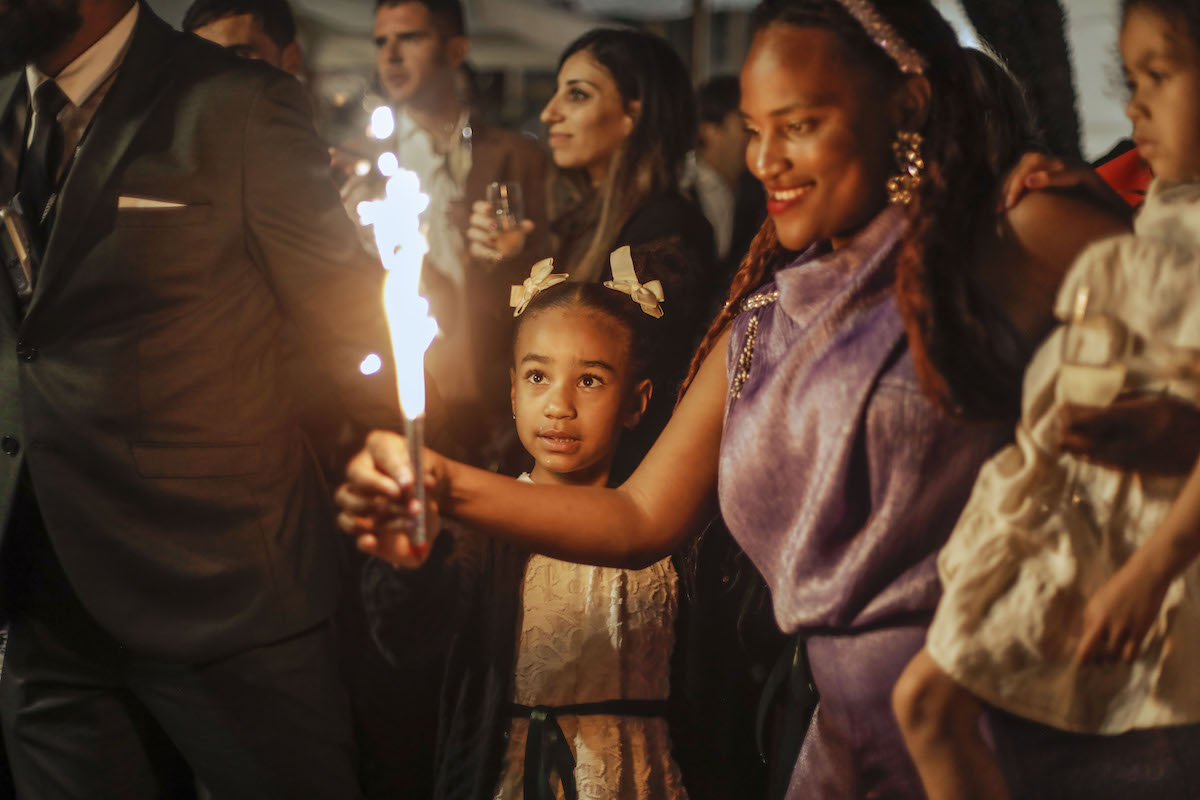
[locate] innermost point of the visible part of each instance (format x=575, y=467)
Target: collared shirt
x=85, y=81
x=443, y=177
x=716, y=199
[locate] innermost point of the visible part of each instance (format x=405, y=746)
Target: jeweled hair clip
x=886, y=37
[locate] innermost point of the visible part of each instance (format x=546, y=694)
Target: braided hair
x=967, y=152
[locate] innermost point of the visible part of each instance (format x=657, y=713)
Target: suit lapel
x=14, y=108
x=139, y=83
x=12, y=123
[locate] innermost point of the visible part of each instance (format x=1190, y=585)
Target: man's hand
x=377, y=506
x=1148, y=433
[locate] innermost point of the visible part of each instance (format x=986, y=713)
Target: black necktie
x=39, y=169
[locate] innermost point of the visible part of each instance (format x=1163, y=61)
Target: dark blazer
x=501, y=155
x=143, y=390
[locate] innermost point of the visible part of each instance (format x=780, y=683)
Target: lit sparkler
x=396, y=223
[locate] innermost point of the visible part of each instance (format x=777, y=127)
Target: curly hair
x=967, y=151
x=1185, y=11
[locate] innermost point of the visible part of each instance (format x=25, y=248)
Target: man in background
x=730, y=197
x=421, y=52
x=258, y=29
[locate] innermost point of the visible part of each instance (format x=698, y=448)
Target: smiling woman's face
x=820, y=134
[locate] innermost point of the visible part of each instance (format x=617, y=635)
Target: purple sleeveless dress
x=841, y=481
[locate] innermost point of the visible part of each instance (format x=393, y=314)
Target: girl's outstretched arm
x=668, y=497
x=1119, y=615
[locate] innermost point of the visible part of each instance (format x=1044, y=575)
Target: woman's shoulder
x=1022, y=259
x=667, y=214
x=1055, y=226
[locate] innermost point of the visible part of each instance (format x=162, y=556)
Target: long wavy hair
x=646, y=69
x=967, y=150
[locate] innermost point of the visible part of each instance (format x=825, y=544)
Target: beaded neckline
x=746, y=357
x=759, y=300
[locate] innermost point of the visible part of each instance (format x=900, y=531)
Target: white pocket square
x=130, y=201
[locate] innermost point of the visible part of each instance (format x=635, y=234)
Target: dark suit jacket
x=143, y=390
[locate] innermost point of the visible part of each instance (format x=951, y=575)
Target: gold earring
x=903, y=187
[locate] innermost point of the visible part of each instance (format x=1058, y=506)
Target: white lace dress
x=1043, y=530
x=591, y=634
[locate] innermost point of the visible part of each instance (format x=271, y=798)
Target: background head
x=648, y=112
x=581, y=355
x=1160, y=48
x=258, y=29
x=620, y=123
x=722, y=134
x=420, y=45
x=824, y=104
x=32, y=29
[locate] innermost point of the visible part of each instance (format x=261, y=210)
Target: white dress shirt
x=85, y=82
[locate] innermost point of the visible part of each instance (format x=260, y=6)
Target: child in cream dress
x=1044, y=530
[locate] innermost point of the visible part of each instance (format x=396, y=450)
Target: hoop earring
x=903, y=187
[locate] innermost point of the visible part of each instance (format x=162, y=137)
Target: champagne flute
x=1094, y=346
x=508, y=210
x=1093, y=366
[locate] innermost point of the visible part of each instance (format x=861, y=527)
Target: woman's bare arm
x=667, y=498
x=1120, y=614
x=1023, y=262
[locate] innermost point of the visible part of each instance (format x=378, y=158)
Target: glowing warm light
x=371, y=364
x=388, y=165
x=412, y=332
x=383, y=123
x=396, y=223
x=362, y=167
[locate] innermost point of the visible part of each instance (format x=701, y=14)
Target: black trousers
x=85, y=718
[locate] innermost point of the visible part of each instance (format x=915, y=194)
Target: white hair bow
x=647, y=295
x=541, y=277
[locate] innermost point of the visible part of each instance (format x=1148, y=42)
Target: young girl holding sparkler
x=579, y=709
x=1058, y=563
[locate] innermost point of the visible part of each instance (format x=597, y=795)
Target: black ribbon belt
x=546, y=748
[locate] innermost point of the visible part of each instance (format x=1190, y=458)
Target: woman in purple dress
x=835, y=408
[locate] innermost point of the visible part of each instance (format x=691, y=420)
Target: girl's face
x=820, y=135
x=573, y=391
x=587, y=118
x=1162, y=67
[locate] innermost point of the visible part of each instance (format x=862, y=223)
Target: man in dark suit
x=168, y=565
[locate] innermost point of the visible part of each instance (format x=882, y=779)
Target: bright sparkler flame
x=383, y=123
x=396, y=222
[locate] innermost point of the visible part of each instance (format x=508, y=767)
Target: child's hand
x=1119, y=615
x=377, y=505
x=1038, y=172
